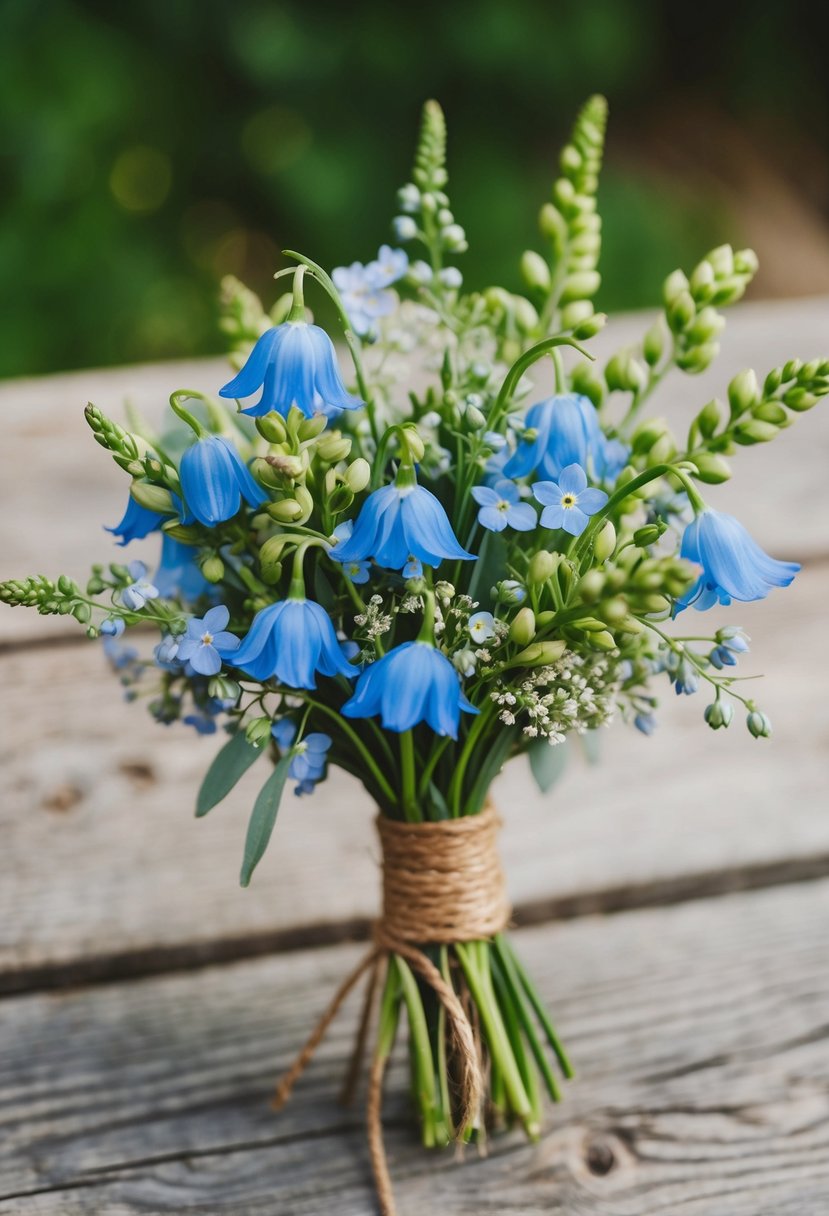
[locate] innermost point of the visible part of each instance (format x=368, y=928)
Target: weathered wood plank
x=700, y=1037
x=64, y=488
x=101, y=856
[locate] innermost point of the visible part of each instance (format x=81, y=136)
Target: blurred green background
x=150, y=148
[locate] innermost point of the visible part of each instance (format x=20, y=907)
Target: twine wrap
x=442, y=883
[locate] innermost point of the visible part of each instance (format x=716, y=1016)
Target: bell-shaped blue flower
x=178, y=573
x=136, y=523
x=289, y=642
x=560, y=431
x=294, y=364
x=413, y=683
x=214, y=480
x=734, y=567
x=399, y=523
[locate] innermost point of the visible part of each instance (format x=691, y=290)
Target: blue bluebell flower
x=289, y=642
x=560, y=431
x=178, y=573
x=568, y=503
x=203, y=722
x=413, y=683
x=481, y=626
x=609, y=458
x=734, y=567
x=136, y=522
x=207, y=642
x=398, y=523
x=214, y=480
x=646, y=723
x=140, y=590
x=501, y=507
x=358, y=572
x=112, y=627
x=731, y=642
x=284, y=732
x=294, y=364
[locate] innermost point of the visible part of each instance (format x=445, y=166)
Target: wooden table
x=673, y=902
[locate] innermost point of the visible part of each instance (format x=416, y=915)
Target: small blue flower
x=568, y=503
x=481, y=626
x=214, y=480
x=289, y=642
x=112, y=627
x=121, y=657
x=646, y=723
x=609, y=458
x=202, y=722
x=389, y=267
x=398, y=523
x=178, y=573
x=140, y=590
x=294, y=364
x=413, y=683
x=501, y=507
x=509, y=591
x=494, y=441
x=358, y=572
x=284, y=733
x=166, y=653
x=136, y=523
x=310, y=758
x=560, y=431
x=734, y=567
x=206, y=642
x=363, y=297
x=413, y=568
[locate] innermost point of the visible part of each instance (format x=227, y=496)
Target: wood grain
x=700, y=1037
x=64, y=488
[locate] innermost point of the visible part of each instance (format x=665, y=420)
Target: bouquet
x=421, y=568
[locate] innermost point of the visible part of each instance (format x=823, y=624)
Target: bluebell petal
x=427, y=528
x=330, y=660
x=136, y=522
x=251, y=491
x=525, y=459
x=252, y=375
x=208, y=481
x=298, y=644
x=361, y=544
x=327, y=379
x=256, y=639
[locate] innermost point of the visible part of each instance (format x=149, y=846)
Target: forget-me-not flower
x=214, y=480
x=294, y=364
x=309, y=761
x=481, y=626
x=136, y=522
x=290, y=642
x=400, y=522
x=413, y=683
x=207, y=642
x=734, y=567
x=568, y=503
x=501, y=507
x=140, y=590
x=284, y=732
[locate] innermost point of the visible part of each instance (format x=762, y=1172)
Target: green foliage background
x=151, y=147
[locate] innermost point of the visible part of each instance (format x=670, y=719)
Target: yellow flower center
x=568, y=500
x=207, y=639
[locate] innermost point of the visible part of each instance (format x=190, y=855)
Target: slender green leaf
x=263, y=817
x=591, y=745
x=547, y=763
x=229, y=765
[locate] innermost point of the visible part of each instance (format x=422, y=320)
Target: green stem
x=456, y=786
x=540, y=1011
x=407, y=775
x=424, y=1068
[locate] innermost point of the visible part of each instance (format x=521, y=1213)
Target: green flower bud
x=542, y=567
x=745, y=262
x=474, y=419
x=539, y=654
x=333, y=447
x=154, y=498
x=591, y=327
x=702, y=280
x=258, y=731
x=758, y=725
x=591, y=586
x=526, y=317
x=414, y=444
x=341, y=499
x=681, y=311
x=772, y=382
x=575, y=313
x=309, y=428
x=770, y=411
x=647, y=434
x=799, y=399
x=614, y=610
x=718, y=714
x=187, y=534
x=605, y=542
x=698, y=358
x=655, y=603
x=358, y=474
x=272, y=428
x=675, y=285
x=522, y=629
x=286, y=511
x=535, y=271
x=553, y=225
x=580, y=286
x=708, y=419
x=306, y=502
x=625, y=373
x=649, y=534
x=265, y=474
x=287, y=464
x=603, y=640
x=654, y=344
x=722, y=261
x=743, y=392
x=707, y=326
x=712, y=469
x=82, y=613
x=213, y=568
x=748, y=433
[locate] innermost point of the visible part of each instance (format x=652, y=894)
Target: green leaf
x=229, y=765
x=263, y=817
x=547, y=763
x=591, y=745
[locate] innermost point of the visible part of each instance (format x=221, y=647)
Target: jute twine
x=442, y=883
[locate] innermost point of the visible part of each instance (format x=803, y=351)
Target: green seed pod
x=535, y=271
x=712, y=469
x=604, y=544
x=154, y=498
x=522, y=629
x=743, y=392
x=358, y=474
x=542, y=565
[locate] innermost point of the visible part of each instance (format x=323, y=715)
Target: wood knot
x=600, y=1157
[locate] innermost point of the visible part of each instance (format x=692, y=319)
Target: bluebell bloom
x=734, y=567
x=568, y=503
x=140, y=589
x=609, y=458
x=289, y=642
x=413, y=683
x=501, y=507
x=207, y=642
x=398, y=523
x=294, y=364
x=560, y=431
x=178, y=573
x=214, y=480
x=358, y=572
x=136, y=523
